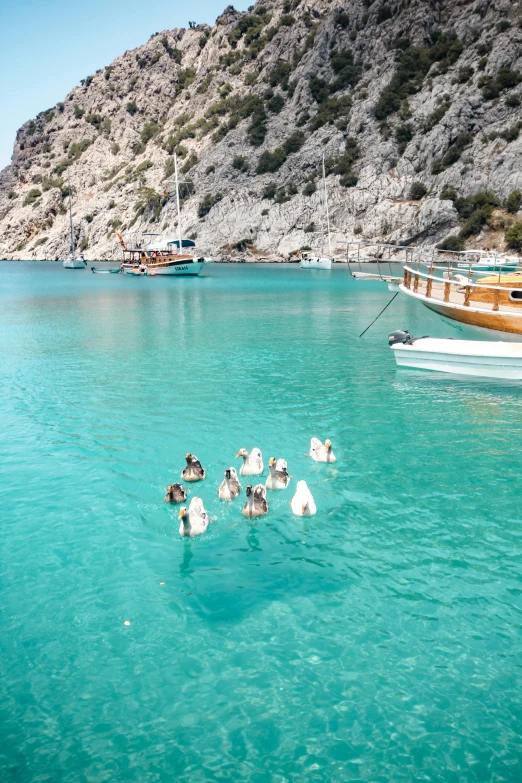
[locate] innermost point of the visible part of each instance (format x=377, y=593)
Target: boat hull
x=486, y=324
x=74, y=263
x=490, y=325
x=462, y=357
x=189, y=268
x=316, y=263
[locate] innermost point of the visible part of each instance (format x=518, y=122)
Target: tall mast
x=70, y=216
x=326, y=209
x=177, y=202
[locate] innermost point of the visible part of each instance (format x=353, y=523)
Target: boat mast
x=177, y=201
x=326, y=210
x=70, y=216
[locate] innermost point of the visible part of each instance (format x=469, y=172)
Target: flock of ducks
x=195, y=520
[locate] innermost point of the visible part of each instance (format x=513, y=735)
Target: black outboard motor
x=399, y=336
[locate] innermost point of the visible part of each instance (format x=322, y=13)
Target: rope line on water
x=382, y=311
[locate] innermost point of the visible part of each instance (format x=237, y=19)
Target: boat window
x=516, y=295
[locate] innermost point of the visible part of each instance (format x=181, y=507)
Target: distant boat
x=322, y=261
x=461, y=357
x=484, y=261
x=74, y=261
x=163, y=256
x=105, y=271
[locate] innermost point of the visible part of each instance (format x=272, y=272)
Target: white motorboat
x=75, y=261
x=320, y=262
x=460, y=357
x=162, y=256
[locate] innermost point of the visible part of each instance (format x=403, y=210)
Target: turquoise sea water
x=378, y=641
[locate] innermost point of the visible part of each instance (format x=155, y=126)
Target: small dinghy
x=460, y=357
x=105, y=271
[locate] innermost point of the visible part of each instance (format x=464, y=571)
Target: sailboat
x=163, y=256
x=322, y=261
x=74, y=261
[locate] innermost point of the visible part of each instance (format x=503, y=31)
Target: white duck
x=320, y=452
x=252, y=463
x=230, y=486
x=195, y=521
x=256, y=504
x=278, y=478
x=303, y=504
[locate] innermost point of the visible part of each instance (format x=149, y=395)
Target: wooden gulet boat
x=489, y=308
x=160, y=258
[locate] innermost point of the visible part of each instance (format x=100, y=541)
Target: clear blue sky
x=49, y=45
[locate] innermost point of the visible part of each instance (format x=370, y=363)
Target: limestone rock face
x=391, y=93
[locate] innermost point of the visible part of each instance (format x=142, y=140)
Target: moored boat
x=488, y=307
x=320, y=262
x=75, y=260
x=163, y=256
x=461, y=357
x=315, y=262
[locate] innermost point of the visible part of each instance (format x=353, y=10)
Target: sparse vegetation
x=474, y=211
x=513, y=236
x=32, y=197
x=149, y=204
x=453, y=153
x=131, y=108
x=435, y=117
x=210, y=200
x=270, y=190
x=78, y=113
x=492, y=86
x=149, y=130
x=343, y=164
x=413, y=65
x=403, y=136
x=513, y=201
x=240, y=163
x=417, y=191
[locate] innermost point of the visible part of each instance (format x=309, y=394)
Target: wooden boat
x=163, y=256
x=488, y=307
x=461, y=357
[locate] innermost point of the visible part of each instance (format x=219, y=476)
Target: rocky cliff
x=415, y=105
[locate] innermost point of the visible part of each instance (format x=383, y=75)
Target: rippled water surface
x=377, y=641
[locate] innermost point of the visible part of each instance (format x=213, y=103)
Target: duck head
x=248, y=490
x=188, y=457
x=272, y=462
x=168, y=496
x=227, y=474
x=242, y=453
x=328, y=444
x=183, y=516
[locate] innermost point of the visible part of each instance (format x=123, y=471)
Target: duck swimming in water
x=279, y=477
x=175, y=494
x=230, y=486
x=193, y=471
x=320, y=452
x=303, y=504
x=195, y=521
x=256, y=504
x=252, y=463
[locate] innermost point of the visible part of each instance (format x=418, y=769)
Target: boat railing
x=447, y=288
